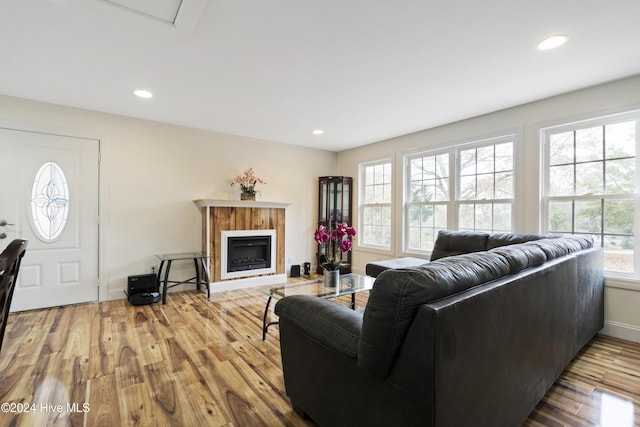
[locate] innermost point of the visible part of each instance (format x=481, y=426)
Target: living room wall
x=622, y=294
x=151, y=173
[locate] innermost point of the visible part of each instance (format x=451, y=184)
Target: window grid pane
x=487, y=217
x=428, y=192
x=483, y=177
x=591, y=187
x=424, y=221
x=485, y=189
x=375, y=220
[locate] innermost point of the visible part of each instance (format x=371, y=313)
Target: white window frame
x=546, y=198
x=492, y=142
x=453, y=202
x=446, y=202
x=364, y=204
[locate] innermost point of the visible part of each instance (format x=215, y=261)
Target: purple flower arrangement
x=337, y=241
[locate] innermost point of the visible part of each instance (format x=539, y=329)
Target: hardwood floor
x=195, y=362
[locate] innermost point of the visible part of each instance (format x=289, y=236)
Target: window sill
x=622, y=282
x=374, y=250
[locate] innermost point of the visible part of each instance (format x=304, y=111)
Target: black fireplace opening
x=248, y=253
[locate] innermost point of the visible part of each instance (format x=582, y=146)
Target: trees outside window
x=427, y=193
x=485, y=195
x=473, y=193
x=375, y=207
x=590, y=185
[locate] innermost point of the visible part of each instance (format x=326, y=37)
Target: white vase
x=331, y=278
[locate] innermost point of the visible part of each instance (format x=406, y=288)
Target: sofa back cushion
x=451, y=243
x=555, y=248
x=503, y=239
x=397, y=294
x=521, y=257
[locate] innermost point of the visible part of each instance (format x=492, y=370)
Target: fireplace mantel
x=203, y=203
x=229, y=215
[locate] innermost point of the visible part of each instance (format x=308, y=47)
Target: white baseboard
x=621, y=330
x=116, y=294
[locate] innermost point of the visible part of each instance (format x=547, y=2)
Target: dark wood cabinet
x=335, y=206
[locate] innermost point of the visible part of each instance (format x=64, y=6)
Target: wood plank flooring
x=195, y=362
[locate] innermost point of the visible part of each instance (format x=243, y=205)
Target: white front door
x=49, y=196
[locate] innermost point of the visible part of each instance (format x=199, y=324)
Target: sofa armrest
x=330, y=324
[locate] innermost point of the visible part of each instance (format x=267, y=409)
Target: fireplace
x=246, y=218
x=247, y=253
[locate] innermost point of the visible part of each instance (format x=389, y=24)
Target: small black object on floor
x=142, y=289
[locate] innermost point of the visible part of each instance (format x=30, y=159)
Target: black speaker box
x=142, y=289
x=307, y=268
x=295, y=270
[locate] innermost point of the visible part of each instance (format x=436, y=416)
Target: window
x=590, y=185
x=485, y=191
x=483, y=176
x=375, y=207
x=427, y=195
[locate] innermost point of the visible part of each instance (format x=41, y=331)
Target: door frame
x=102, y=184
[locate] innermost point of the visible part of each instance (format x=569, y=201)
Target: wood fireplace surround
x=231, y=215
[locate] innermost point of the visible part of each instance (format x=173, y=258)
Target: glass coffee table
x=350, y=284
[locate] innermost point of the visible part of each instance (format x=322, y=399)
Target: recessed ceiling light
x=552, y=42
x=318, y=132
x=143, y=93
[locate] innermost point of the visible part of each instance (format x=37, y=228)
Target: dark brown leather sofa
x=472, y=339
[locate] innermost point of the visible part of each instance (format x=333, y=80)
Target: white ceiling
x=361, y=70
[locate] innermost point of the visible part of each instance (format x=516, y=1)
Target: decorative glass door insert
x=49, y=201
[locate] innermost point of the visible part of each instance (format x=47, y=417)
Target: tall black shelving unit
x=335, y=206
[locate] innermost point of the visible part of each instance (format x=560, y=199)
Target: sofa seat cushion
x=373, y=269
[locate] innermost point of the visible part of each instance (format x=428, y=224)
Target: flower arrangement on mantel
x=247, y=182
x=337, y=242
